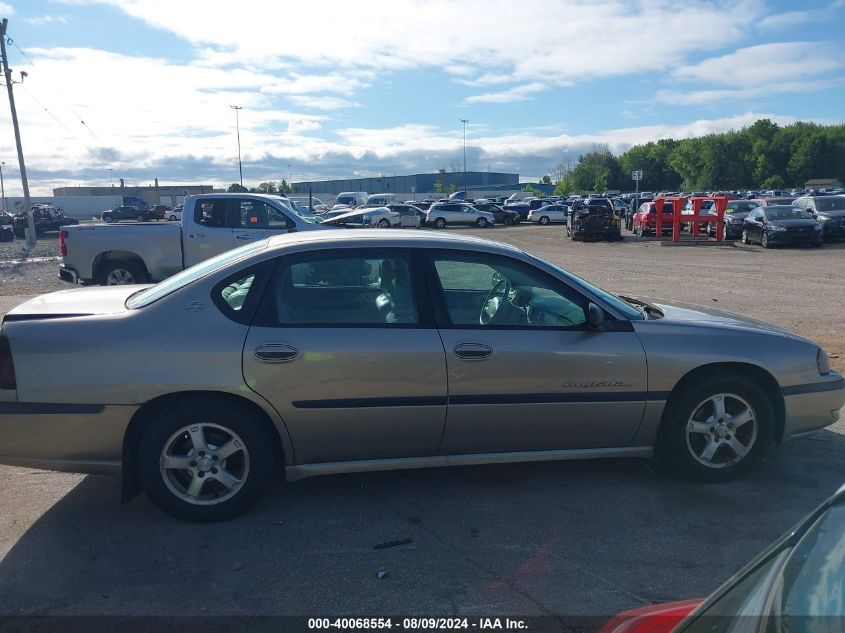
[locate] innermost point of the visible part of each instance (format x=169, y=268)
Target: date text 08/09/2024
x=414, y=624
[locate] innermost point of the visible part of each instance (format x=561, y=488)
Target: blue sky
x=336, y=89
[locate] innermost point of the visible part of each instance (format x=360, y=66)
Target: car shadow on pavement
x=569, y=538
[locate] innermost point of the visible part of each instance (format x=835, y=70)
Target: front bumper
x=795, y=237
x=814, y=406
x=76, y=438
x=834, y=229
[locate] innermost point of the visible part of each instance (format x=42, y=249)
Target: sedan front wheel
x=204, y=460
x=712, y=431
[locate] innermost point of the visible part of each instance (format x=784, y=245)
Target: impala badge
x=194, y=306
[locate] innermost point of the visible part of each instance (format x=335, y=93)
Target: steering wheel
x=498, y=295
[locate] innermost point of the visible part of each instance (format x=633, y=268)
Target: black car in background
x=125, y=213
x=735, y=214
x=47, y=219
x=502, y=216
x=593, y=219
x=829, y=210
x=772, y=226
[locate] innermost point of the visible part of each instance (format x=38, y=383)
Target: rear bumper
x=68, y=274
x=814, y=406
x=77, y=438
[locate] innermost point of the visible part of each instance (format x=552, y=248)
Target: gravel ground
x=25, y=271
x=564, y=539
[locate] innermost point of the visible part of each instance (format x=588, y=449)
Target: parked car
x=47, y=218
x=159, y=211
x=7, y=232
x=211, y=224
x=772, y=226
x=795, y=582
x=381, y=199
x=500, y=216
x=442, y=214
x=764, y=202
x=593, y=219
x=305, y=350
x=734, y=218
x=644, y=221
x=829, y=210
x=380, y=217
x=548, y=214
x=318, y=207
x=125, y=213
x=350, y=199
x=174, y=214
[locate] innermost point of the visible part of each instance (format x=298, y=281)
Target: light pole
x=2, y=185
x=290, y=179
x=465, y=121
x=238, y=130
x=111, y=176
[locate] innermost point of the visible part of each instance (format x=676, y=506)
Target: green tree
x=774, y=182
x=546, y=180
x=266, y=187
x=438, y=186
x=601, y=181
x=529, y=188
x=564, y=187
x=236, y=188
x=599, y=165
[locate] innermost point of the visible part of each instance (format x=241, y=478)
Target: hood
x=74, y=302
x=796, y=223
x=688, y=312
x=359, y=212
x=833, y=213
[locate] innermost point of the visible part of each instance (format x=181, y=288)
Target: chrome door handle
x=196, y=235
x=276, y=353
x=473, y=351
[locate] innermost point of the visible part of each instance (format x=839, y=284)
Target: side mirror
x=595, y=317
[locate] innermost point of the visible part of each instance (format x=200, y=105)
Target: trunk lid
x=74, y=302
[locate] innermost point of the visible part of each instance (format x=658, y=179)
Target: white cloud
x=321, y=102
x=789, y=19
x=766, y=64
x=6, y=9
x=517, y=93
x=46, y=19
x=481, y=37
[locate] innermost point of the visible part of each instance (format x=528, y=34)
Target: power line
x=56, y=119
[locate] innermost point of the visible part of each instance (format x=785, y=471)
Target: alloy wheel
x=722, y=430
x=120, y=277
x=204, y=463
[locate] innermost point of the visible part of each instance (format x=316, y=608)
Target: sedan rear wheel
x=544, y=220
x=745, y=239
x=440, y=223
x=714, y=430
x=140, y=218
x=204, y=460
x=384, y=223
x=118, y=273
x=482, y=223
x=764, y=240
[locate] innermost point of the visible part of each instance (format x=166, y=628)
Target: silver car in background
x=442, y=214
x=552, y=213
x=328, y=352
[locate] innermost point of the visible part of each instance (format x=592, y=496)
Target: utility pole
x=465, y=121
x=3, y=186
x=7, y=73
x=290, y=179
x=238, y=130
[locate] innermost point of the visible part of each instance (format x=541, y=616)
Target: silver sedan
x=344, y=351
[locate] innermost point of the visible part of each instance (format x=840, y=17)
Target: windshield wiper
x=648, y=309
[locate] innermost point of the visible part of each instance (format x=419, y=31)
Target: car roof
x=360, y=238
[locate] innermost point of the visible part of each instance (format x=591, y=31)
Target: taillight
x=7, y=367
x=62, y=245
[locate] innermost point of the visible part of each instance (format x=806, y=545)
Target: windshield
x=344, y=200
x=611, y=299
x=190, y=275
x=786, y=213
x=833, y=203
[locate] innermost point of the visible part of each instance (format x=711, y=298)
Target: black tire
x=482, y=223
x=384, y=223
x=440, y=223
x=673, y=449
x=816, y=244
x=544, y=220
x=172, y=218
x=108, y=219
x=745, y=238
x=764, y=240
x=141, y=218
x=256, y=452
x=130, y=272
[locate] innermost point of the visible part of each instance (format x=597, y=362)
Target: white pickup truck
x=115, y=254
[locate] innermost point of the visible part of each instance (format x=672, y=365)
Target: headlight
x=823, y=362
x=776, y=228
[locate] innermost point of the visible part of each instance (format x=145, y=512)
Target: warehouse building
x=151, y=194
x=416, y=183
